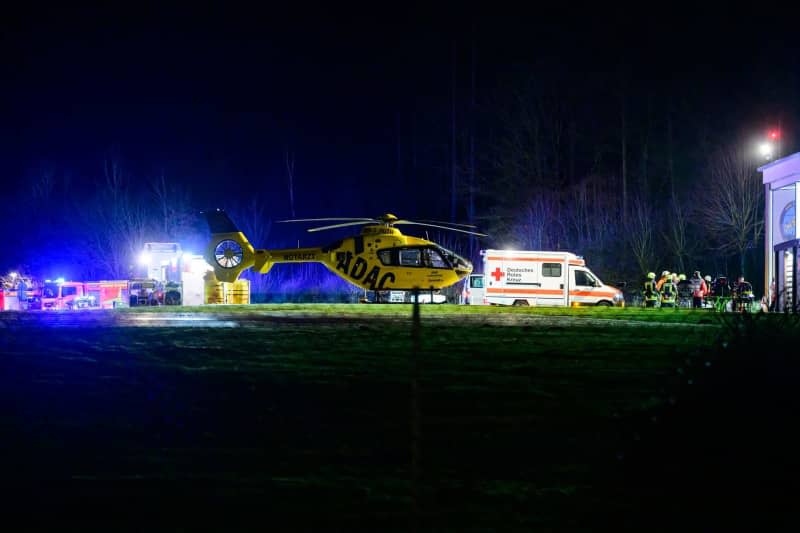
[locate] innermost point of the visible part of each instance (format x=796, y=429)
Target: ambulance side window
x=584, y=279
x=476, y=282
x=551, y=270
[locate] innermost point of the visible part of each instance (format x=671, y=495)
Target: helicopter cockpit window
x=411, y=257
x=456, y=261
x=435, y=260
x=387, y=257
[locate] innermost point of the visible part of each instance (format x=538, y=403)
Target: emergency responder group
x=672, y=289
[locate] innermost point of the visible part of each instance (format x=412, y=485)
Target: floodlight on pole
x=765, y=149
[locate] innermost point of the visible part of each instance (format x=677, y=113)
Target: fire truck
x=60, y=294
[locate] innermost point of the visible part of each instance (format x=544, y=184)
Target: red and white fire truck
x=59, y=294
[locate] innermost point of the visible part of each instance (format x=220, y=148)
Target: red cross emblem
x=497, y=274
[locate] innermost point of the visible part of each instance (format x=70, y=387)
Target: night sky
x=215, y=97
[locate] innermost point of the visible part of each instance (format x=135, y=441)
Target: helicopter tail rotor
x=229, y=252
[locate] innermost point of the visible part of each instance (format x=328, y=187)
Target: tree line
x=605, y=170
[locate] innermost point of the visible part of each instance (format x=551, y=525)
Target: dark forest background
x=630, y=143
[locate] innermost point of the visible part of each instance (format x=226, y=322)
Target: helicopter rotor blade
x=322, y=228
x=441, y=227
x=324, y=219
x=450, y=223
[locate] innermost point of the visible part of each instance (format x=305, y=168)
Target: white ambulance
x=530, y=278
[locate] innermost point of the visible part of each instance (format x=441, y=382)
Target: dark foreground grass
x=308, y=424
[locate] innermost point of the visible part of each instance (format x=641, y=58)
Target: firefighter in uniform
x=743, y=294
x=650, y=291
x=668, y=293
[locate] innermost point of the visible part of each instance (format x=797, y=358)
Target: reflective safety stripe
x=576, y=262
x=524, y=291
x=592, y=293
x=534, y=292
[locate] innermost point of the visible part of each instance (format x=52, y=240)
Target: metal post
x=794, y=279
x=415, y=429
x=777, y=278
x=767, y=237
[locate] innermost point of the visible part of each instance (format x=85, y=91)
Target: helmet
x=682, y=277
x=665, y=273
x=651, y=275
x=707, y=278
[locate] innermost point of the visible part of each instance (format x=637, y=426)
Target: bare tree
x=43, y=184
x=592, y=213
x=453, y=148
x=289, y=160
x=676, y=233
x=640, y=233
x=173, y=208
x=117, y=228
x=732, y=212
x=538, y=227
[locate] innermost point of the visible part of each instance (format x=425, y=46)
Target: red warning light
x=774, y=134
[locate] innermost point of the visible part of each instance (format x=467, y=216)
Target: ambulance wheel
x=604, y=303
x=520, y=303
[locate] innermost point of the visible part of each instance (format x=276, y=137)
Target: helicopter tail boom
x=230, y=253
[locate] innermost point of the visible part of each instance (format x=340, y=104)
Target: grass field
x=537, y=419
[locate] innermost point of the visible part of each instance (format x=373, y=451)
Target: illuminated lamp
x=13, y=275
x=765, y=149
x=60, y=280
x=144, y=258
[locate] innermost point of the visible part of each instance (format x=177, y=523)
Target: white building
x=781, y=238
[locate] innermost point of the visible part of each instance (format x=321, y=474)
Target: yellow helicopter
x=380, y=258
